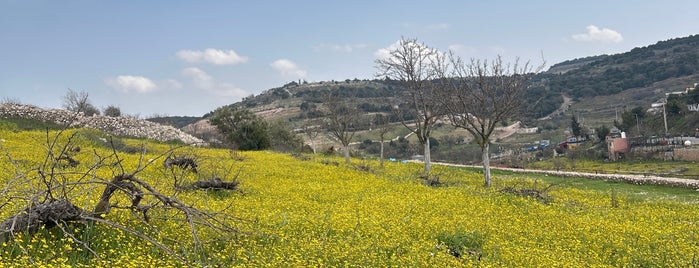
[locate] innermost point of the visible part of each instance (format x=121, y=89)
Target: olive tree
x=242, y=128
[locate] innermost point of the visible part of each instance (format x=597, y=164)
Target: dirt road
x=629, y=178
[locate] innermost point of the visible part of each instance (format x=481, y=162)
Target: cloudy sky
x=189, y=57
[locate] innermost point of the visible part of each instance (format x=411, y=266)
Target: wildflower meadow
x=316, y=211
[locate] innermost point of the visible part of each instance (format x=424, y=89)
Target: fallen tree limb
x=214, y=184
x=33, y=218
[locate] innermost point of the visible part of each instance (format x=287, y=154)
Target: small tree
x=112, y=111
x=79, y=102
x=341, y=120
x=311, y=129
x=282, y=138
x=383, y=126
x=242, y=128
x=602, y=132
x=481, y=95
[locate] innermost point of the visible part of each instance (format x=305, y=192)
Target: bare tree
x=416, y=66
x=311, y=129
x=341, y=120
x=382, y=124
x=482, y=94
x=78, y=101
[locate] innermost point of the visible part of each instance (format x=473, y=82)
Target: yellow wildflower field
x=290, y=212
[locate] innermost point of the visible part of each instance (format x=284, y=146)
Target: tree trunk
x=486, y=164
x=347, y=154
x=428, y=167
x=381, y=156
x=313, y=146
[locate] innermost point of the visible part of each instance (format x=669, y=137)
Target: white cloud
x=171, y=83
x=200, y=78
x=348, y=48
x=595, y=34
x=204, y=81
x=213, y=56
x=288, y=68
x=129, y=83
x=384, y=53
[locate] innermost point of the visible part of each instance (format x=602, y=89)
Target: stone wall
x=687, y=154
x=117, y=126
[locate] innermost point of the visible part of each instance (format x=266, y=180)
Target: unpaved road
x=630, y=178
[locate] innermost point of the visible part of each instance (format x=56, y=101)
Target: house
x=617, y=144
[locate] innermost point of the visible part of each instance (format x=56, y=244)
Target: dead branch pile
x=215, y=184
x=182, y=162
x=31, y=219
x=539, y=195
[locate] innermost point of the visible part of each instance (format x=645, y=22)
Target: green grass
x=17, y=124
x=632, y=191
x=683, y=169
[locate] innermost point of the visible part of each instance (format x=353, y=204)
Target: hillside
x=658, y=68
x=597, y=89
x=639, y=68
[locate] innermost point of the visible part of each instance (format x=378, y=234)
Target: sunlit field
x=313, y=210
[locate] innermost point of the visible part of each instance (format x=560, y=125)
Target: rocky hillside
x=117, y=126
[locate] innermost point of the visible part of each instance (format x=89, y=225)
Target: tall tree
x=341, y=120
x=575, y=126
x=480, y=95
x=414, y=65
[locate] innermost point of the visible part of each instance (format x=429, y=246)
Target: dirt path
x=629, y=178
x=567, y=101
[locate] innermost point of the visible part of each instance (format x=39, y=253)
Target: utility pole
x=665, y=116
x=638, y=125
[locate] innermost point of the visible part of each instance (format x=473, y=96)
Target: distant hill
x=175, y=121
x=569, y=65
x=638, y=68
x=600, y=87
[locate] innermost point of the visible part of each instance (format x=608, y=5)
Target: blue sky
x=189, y=57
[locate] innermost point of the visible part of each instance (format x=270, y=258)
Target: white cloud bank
x=288, y=68
x=129, y=83
x=595, y=34
x=213, y=56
